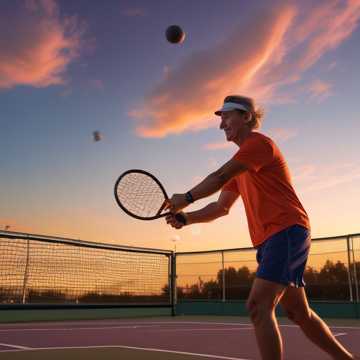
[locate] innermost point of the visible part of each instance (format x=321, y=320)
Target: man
x=278, y=224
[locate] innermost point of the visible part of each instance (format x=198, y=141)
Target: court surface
x=179, y=338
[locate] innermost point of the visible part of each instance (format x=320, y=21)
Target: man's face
x=233, y=123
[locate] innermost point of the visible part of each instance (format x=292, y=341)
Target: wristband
x=189, y=198
x=180, y=217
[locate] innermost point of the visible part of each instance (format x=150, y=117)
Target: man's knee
x=262, y=300
x=259, y=311
x=299, y=316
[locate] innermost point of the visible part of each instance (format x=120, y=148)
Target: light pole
x=175, y=238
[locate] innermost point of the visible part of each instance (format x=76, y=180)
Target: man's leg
x=263, y=298
x=295, y=304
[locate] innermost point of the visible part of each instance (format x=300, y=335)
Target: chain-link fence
x=332, y=272
x=46, y=269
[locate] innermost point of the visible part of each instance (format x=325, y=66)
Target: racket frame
x=139, y=171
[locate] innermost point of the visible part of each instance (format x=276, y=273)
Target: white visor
x=228, y=106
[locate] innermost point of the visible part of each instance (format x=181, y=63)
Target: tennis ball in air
x=97, y=136
x=175, y=34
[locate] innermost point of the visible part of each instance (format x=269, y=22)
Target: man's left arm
x=210, y=185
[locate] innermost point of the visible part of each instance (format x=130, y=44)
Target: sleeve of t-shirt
x=255, y=153
x=231, y=185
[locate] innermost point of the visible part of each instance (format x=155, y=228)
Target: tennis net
x=44, y=269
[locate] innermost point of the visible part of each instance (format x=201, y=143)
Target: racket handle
x=180, y=218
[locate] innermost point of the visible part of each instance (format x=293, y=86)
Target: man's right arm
x=214, y=210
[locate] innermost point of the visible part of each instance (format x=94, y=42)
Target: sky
x=68, y=68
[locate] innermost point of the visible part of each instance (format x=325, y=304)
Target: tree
x=330, y=283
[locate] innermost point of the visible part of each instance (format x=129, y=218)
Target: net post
x=26, y=272
x=223, y=277
x=173, y=283
x=355, y=270
x=349, y=268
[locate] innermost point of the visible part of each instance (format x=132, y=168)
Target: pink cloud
x=37, y=44
x=282, y=43
x=320, y=90
x=331, y=66
x=191, y=92
x=319, y=27
x=218, y=146
x=97, y=84
x=8, y=224
x=134, y=12
x=305, y=173
x=329, y=24
x=312, y=177
x=278, y=134
x=282, y=134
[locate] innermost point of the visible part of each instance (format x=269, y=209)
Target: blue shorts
x=282, y=257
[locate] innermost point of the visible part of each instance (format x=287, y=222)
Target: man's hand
x=176, y=203
x=171, y=220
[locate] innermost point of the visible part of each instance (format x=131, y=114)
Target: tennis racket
x=142, y=196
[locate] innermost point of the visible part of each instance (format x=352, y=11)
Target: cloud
x=305, y=173
x=213, y=163
x=331, y=66
x=283, y=41
x=66, y=92
x=37, y=44
x=190, y=92
x=333, y=181
x=7, y=224
x=166, y=71
x=96, y=84
x=320, y=90
x=316, y=178
x=134, y=12
x=197, y=179
x=282, y=134
x=329, y=23
x=218, y=146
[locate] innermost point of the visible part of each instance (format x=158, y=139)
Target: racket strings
x=140, y=194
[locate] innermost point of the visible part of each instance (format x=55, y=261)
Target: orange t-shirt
x=270, y=201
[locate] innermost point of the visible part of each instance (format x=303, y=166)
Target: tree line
x=331, y=282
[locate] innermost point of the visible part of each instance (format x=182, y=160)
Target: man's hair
x=249, y=103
